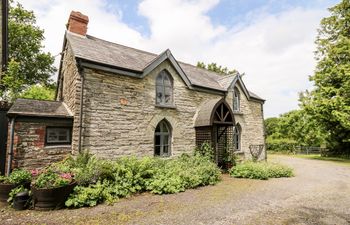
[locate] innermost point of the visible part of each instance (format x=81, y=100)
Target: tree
x=295, y=126
x=39, y=92
x=28, y=64
x=329, y=102
x=216, y=68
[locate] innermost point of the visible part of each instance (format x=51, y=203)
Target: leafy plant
x=14, y=193
x=17, y=177
x=129, y=175
x=260, y=170
x=52, y=179
x=206, y=150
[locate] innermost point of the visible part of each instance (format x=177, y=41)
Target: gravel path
x=318, y=194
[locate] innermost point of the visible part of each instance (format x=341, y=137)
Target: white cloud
x=275, y=51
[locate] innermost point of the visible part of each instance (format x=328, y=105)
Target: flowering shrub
x=52, y=179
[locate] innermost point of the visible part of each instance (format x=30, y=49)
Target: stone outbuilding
x=115, y=100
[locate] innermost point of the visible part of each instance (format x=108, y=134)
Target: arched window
x=162, y=139
x=237, y=137
x=164, y=89
x=236, y=100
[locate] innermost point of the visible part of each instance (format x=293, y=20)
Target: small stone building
x=115, y=100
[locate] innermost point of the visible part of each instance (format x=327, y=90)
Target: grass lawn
x=343, y=161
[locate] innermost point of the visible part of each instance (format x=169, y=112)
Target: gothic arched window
x=162, y=139
x=164, y=89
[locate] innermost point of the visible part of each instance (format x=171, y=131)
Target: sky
x=271, y=41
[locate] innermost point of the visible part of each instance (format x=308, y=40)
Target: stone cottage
x=116, y=100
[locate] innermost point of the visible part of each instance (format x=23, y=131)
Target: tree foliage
x=216, y=68
x=28, y=63
x=329, y=101
x=294, y=127
x=39, y=92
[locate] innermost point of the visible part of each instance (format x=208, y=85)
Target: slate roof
x=40, y=108
x=119, y=56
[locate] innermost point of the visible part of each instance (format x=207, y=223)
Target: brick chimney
x=77, y=23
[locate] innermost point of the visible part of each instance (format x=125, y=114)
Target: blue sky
x=272, y=41
x=226, y=12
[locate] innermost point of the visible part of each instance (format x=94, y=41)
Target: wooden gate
x=4, y=107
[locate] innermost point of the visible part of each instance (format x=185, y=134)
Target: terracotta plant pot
x=51, y=198
x=5, y=190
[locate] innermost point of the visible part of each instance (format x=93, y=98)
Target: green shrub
x=86, y=196
x=282, y=145
x=182, y=173
x=260, y=170
x=17, y=177
x=103, y=181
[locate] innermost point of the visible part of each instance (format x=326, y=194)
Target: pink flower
x=66, y=176
x=35, y=172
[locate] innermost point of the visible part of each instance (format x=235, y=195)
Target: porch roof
x=39, y=108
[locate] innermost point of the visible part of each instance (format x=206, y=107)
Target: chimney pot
x=77, y=23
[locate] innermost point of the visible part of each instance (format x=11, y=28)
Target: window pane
x=62, y=138
x=166, y=140
x=157, y=140
x=166, y=150
x=159, y=93
x=58, y=135
x=159, y=80
x=164, y=127
x=52, y=137
x=168, y=95
x=157, y=150
x=167, y=81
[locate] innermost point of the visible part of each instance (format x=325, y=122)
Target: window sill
x=57, y=146
x=166, y=106
x=237, y=113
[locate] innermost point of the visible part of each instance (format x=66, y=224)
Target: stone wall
x=69, y=91
x=29, y=149
x=120, y=114
x=250, y=118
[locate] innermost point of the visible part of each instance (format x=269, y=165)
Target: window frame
x=163, y=87
x=162, y=135
x=237, y=132
x=236, y=100
x=57, y=142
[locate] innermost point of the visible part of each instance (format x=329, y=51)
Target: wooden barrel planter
x=51, y=198
x=5, y=190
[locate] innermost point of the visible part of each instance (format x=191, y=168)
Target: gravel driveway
x=318, y=194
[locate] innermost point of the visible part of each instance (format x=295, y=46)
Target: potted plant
x=19, y=198
x=229, y=160
x=51, y=189
x=16, y=178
